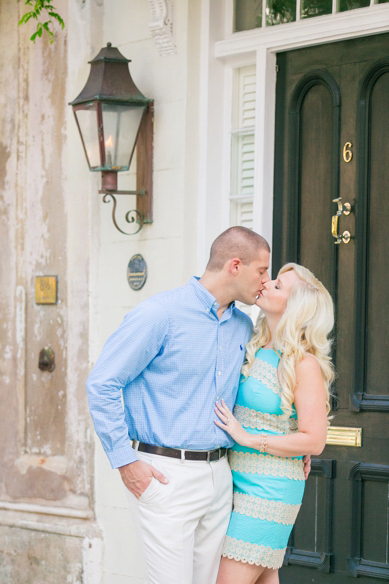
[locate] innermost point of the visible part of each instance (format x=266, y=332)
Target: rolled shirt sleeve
x=125, y=355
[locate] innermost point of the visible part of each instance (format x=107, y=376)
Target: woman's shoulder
x=309, y=365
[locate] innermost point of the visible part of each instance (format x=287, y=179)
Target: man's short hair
x=235, y=242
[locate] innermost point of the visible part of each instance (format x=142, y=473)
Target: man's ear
x=234, y=266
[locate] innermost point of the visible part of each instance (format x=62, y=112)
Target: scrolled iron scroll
x=131, y=216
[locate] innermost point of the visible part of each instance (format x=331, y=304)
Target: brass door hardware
x=345, y=209
x=347, y=153
x=46, y=360
x=343, y=436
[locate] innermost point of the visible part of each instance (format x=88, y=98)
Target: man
x=171, y=359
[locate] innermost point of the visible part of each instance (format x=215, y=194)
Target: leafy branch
x=42, y=9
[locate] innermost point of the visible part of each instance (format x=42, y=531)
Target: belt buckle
x=215, y=451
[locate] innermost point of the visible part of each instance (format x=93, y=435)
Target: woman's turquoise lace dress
x=268, y=489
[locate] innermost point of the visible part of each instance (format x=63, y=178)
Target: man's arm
x=125, y=355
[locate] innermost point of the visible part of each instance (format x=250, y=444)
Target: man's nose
x=265, y=278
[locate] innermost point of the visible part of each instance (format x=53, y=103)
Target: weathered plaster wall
x=46, y=469
x=39, y=557
x=60, y=504
x=35, y=240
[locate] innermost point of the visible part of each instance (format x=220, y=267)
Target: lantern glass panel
x=87, y=120
x=121, y=125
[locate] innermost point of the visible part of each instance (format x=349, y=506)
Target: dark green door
x=332, y=141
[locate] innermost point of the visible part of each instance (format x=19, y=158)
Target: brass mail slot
x=342, y=436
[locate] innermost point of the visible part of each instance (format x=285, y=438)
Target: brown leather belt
x=207, y=455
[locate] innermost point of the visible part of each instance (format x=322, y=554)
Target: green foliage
x=42, y=9
x=279, y=11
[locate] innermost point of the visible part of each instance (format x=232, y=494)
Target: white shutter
x=242, y=157
x=247, y=86
x=242, y=148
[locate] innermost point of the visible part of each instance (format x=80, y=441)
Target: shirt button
x=219, y=372
x=217, y=397
x=220, y=348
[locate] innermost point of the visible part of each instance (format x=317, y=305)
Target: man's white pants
x=181, y=525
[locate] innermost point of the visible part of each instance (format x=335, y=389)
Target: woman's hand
x=230, y=424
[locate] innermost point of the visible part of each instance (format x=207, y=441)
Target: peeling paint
x=56, y=464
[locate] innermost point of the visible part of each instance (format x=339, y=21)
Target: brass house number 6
x=347, y=154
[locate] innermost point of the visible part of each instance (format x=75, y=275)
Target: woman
x=280, y=415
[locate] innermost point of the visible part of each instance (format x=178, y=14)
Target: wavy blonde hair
x=304, y=328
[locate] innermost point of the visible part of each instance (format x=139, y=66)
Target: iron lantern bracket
x=131, y=216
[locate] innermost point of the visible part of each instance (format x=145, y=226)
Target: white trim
x=264, y=143
x=203, y=137
x=298, y=10
x=227, y=121
x=264, y=4
x=229, y=16
x=313, y=31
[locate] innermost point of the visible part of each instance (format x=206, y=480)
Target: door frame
x=260, y=46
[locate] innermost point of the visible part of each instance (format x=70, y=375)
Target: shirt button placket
x=219, y=365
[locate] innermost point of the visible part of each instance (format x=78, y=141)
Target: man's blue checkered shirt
x=171, y=359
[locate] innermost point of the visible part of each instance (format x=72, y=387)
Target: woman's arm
x=310, y=403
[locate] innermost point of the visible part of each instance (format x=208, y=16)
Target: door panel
x=330, y=97
x=371, y=393
x=316, y=178
x=377, y=303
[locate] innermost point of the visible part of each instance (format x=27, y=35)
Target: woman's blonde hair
x=304, y=328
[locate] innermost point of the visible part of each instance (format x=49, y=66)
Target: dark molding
x=314, y=77
x=323, y=467
x=361, y=400
x=279, y=166
x=322, y=561
x=366, y=471
x=357, y=566
x=369, y=403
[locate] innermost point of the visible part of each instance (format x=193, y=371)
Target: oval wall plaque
x=137, y=272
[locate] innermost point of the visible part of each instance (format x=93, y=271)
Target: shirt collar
x=207, y=299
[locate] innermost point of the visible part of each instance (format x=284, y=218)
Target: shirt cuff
x=122, y=456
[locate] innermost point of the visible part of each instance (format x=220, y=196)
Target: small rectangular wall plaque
x=46, y=290
x=343, y=436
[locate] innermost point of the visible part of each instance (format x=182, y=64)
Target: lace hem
x=264, y=421
x=266, y=374
x=252, y=553
x=265, y=509
x=251, y=462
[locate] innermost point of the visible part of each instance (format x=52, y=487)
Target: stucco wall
x=63, y=511
x=169, y=245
